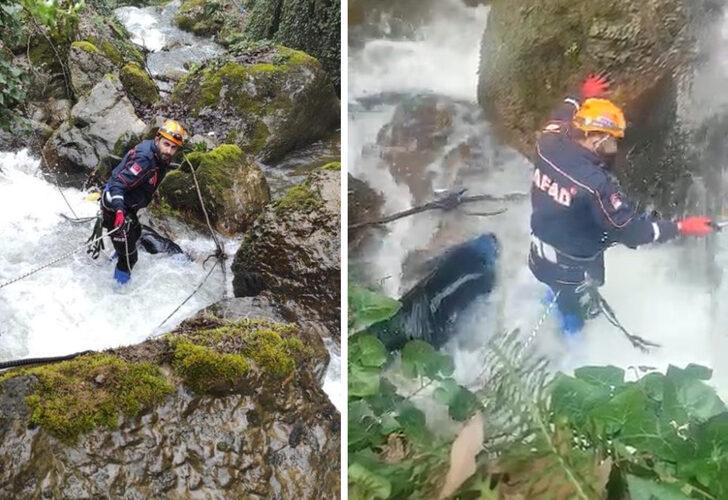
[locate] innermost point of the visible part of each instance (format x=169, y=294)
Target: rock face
x=98, y=122
x=87, y=66
x=233, y=188
x=365, y=204
x=223, y=19
x=313, y=26
x=534, y=52
x=269, y=101
x=216, y=410
x=293, y=251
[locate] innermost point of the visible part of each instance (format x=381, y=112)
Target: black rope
x=638, y=342
x=4, y=365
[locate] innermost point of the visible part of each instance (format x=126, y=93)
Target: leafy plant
x=392, y=451
x=587, y=436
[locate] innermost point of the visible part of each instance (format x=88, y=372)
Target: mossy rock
x=85, y=46
x=313, y=26
x=229, y=356
x=268, y=100
x=138, y=83
x=75, y=397
x=233, y=188
x=334, y=166
x=300, y=198
x=293, y=251
x=534, y=52
x=201, y=17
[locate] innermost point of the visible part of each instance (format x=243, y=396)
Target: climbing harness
x=97, y=237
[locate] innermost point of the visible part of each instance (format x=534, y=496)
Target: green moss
x=138, y=83
x=272, y=347
x=334, y=165
x=111, y=52
x=260, y=137
x=273, y=353
x=86, y=46
x=301, y=197
x=74, y=397
x=201, y=17
x=205, y=370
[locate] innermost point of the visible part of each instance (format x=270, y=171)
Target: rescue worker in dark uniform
x=131, y=187
x=578, y=207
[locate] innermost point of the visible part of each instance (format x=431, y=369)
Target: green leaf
x=365, y=484
x=372, y=351
x=645, y=489
x=367, y=308
x=608, y=376
x=413, y=423
x=463, y=405
x=420, y=359
x=699, y=371
x=699, y=400
x=363, y=429
x=363, y=381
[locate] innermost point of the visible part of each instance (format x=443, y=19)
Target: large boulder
x=534, y=52
x=87, y=66
x=99, y=123
x=223, y=19
x=217, y=409
x=313, y=26
x=233, y=188
x=268, y=100
x=293, y=251
x=435, y=142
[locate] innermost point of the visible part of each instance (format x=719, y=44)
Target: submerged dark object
x=154, y=243
x=458, y=277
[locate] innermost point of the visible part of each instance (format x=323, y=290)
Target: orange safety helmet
x=600, y=115
x=173, y=131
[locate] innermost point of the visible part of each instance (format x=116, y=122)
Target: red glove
x=119, y=219
x=695, y=226
x=594, y=86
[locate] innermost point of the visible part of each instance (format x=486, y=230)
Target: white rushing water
x=170, y=48
x=74, y=305
x=654, y=290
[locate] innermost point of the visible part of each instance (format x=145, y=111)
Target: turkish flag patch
x=615, y=201
x=135, y=169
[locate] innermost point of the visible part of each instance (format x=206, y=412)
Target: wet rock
x=293, y=251
x=268, y=100
x=168, y=446
x=236, y=308
x=97, y=122
x=24, y=133
x=233, y=188
x=138, y=83
x=87, y=66
x=435, y=143
x=365, y=204
x=225, y=19
x=533, y=53
x=313, y=26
